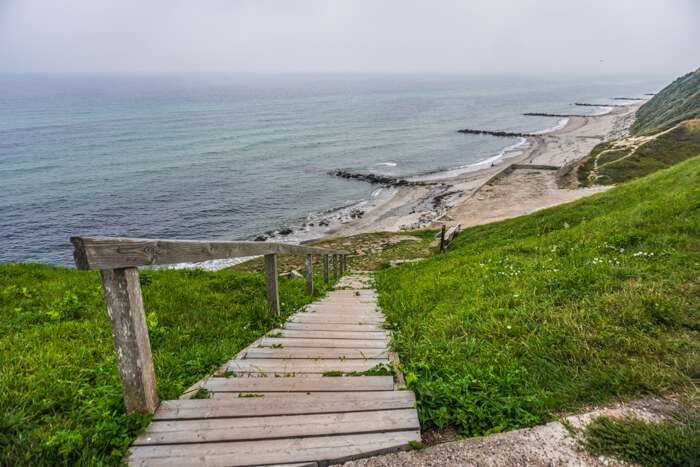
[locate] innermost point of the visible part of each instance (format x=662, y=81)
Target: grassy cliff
x=677, y=102
x=574, y=305
x=60, y=395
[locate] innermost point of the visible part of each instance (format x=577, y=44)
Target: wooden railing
x=118, y=260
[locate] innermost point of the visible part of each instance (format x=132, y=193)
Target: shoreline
x=447, y=197
x=450, y=200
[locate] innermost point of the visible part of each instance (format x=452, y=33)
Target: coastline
x=451, y=199
x=468, y=195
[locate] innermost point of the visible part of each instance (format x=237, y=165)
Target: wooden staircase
x=272, y=404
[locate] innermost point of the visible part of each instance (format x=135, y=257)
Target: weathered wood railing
x=118, y=260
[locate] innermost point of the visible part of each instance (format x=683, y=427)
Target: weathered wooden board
x=331, y=448
x=115, y=252
x=286, y=342
x=230, y=405
x=271, y=367
x=300, y=333
x=277, y=426
x=307, y=384
x=313, y=318
x=333, y=327
x=313, y=353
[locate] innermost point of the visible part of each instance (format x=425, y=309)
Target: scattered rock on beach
x=260, y=238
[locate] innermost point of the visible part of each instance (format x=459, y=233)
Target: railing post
x=273, y=293
x=345, y=262
x=127, y=319
x=309, y=267
x=335, y=267
x=326, y=279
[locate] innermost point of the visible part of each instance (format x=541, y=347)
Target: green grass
x=366, y=252
x=675, y=103
x=679, y=144
x=61, y=400
x=574, y=305
x=666, y=443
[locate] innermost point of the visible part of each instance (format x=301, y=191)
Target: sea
x=237, y=156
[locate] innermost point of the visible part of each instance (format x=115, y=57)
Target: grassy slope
x=670, y=148
x=675, y=103
x=569, y=306
x=61, y=398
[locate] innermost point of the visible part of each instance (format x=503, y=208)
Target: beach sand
x=467, y=199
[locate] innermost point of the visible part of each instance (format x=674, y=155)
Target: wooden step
x=301, y=333
x=335, y=449
x=277, y=426
x=230, y=405
x=333, y=327
x=312, y=353
x=313, y=318
x=281, y=367
x=304, y=384
x=286, y=342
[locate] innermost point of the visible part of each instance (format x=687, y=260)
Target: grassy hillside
x=574, y=305
x=629, y=158
x=61, y=400
x=675, y=103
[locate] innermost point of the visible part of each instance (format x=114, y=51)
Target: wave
x=562, y=123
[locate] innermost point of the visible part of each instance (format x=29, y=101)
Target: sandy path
x=462, y=199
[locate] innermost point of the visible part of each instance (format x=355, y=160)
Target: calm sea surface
x=228, y=157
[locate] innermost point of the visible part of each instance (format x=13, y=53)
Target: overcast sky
x=632, y=36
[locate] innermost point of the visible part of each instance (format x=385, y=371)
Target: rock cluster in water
x=374, y=178
x=494, y=133
x=540, y=114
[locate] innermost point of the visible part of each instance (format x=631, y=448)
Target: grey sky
x=350, y=36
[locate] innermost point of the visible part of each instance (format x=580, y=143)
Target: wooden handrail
x=118, y=260
x=116, y=252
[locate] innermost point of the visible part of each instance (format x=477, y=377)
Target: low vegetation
x=630, y=158
x=366, y=252
x=570, y=306
x=677, y=102
x=672, y=442
x=61, y=397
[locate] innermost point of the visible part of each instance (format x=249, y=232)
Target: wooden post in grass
x=345, y=262
x=309, y=269
x=442, y=239
x=335, y=267
x=326, y=279
x=273, y=293
x=127, y=319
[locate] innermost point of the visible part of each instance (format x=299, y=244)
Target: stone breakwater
x=540, y=114
x=375, y=179
x=495, y=133
x=582, y=104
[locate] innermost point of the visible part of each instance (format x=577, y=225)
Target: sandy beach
x=475, y=197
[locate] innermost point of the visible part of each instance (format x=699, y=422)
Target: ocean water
x=228, y=157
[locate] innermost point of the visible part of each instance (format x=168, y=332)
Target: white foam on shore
x=604, y=109
x=385, y=164
x=306, y=232
x=562, y=123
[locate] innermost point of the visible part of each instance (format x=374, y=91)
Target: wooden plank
x=283, y=403
x=127, y=320
x=332, y=327
x=332, y=449
x=335, y=319
x=270, y=366
x=333, y=334
x=307, y=384
x=116, y=252
x=309, y=273
x=286, y=342
x=312, y=353
x=272, y=285
x=277, y=426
